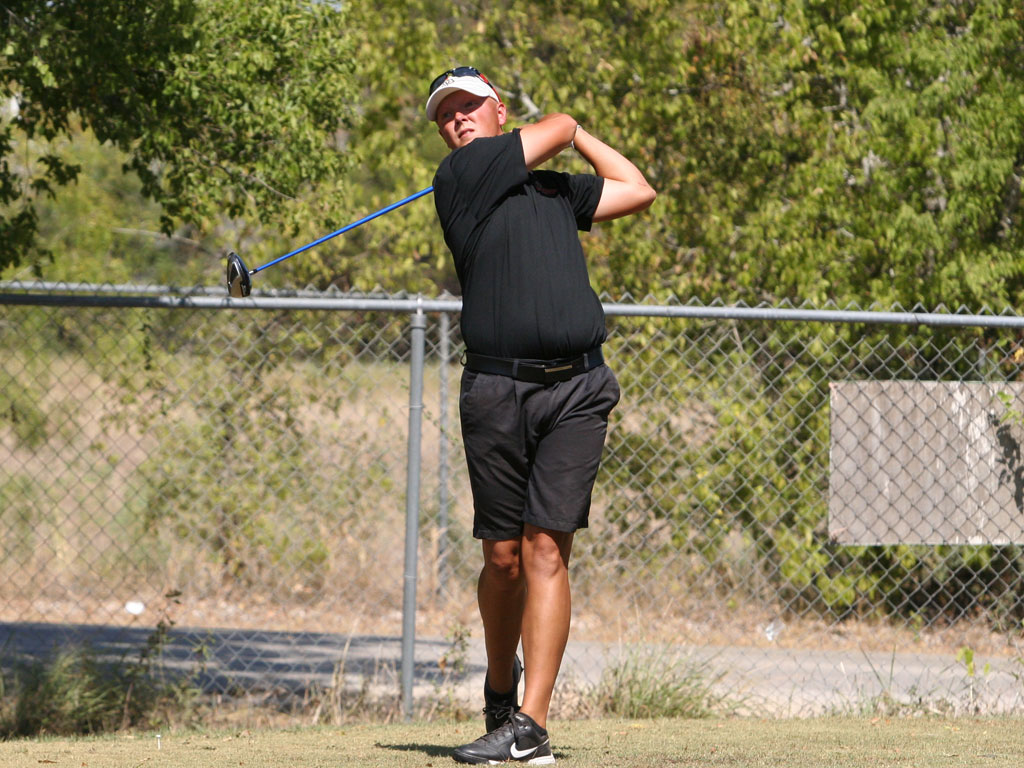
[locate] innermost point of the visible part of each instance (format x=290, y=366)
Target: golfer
x=535, y=393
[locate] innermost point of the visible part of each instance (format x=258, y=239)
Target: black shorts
x=533, y=450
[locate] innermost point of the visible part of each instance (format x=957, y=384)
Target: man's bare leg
x=500, y=594
x=546, y=614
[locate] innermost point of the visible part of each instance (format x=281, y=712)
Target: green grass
x=740, y=743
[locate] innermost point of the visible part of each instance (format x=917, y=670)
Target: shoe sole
x=545, y=760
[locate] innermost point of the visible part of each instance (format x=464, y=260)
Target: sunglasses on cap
x=457, y=72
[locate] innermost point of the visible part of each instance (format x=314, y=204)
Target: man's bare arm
x=545, y=138
x=626, y=190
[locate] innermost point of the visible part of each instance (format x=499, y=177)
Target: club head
x=239, y=284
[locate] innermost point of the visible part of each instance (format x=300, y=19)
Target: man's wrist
x=572, y=141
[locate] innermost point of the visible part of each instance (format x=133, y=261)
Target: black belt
x=536, y=371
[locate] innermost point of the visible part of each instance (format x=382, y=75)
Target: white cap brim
x=469, y=83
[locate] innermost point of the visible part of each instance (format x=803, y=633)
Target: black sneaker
x=499, y=707
x=520, y=740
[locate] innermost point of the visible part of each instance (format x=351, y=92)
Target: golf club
x=238, y=276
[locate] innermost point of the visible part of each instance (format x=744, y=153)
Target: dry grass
x=81, y=561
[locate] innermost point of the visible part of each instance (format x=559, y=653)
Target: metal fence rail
x=820, y=509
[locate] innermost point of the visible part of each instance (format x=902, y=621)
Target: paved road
x=762, y=681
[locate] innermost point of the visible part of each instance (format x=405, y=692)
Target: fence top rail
x=207, y=297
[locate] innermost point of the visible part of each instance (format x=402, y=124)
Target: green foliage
x=19, y=408
x=250, y=113
x=101, y=229
x=892, y=144
x=862, y=151
x=224, y=108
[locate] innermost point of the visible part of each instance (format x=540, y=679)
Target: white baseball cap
x=458, y=79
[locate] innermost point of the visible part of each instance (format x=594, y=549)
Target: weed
x=965, y=656
x=75, y=691
x=19, y=409
x=336, y=704
x=649, y=683
x=372, y=701
x=452, y=665
x=887, y=703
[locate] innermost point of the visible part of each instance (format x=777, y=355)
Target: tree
x=853, y=151
x=858, y=151
x=898, y=152
x=225, y=108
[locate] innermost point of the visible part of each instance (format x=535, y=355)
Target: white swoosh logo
x=519, y=755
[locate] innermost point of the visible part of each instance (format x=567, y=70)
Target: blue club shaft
x=346, y=228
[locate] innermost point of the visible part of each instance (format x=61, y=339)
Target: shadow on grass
x=430, y=750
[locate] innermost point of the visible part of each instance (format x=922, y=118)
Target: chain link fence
x=821, y=511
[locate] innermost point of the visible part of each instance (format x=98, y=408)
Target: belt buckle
x=557, y=368
x=562, y=372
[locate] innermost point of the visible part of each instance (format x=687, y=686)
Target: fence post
x=442, y=460
x=412, y=510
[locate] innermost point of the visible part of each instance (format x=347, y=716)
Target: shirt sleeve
x=585, y=193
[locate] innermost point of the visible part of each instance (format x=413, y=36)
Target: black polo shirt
x=514, y=236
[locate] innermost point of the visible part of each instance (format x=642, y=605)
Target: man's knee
x=502, y=560
x=546, y=553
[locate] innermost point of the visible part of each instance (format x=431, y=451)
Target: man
x=535, y=393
